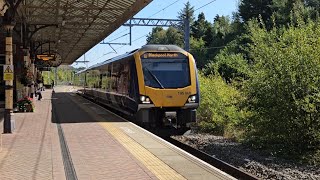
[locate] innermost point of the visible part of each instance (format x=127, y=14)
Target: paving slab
x=68, y=136
x=32, y=150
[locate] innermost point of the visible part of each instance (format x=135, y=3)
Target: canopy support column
x=8, y=123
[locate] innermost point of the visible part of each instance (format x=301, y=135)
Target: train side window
x=114, y=77
x=121, y=79
x=125, y=78
x=89, y=79
x=100, y=79
x=103, y=79
x=108, y=80
x=93, y=79
x=97, y=78
x=133, y=84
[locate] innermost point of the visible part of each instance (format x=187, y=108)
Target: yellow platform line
x=154, y=164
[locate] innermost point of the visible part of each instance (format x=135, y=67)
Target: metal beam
x=77, y=8
x=68, y=17
x=115, y=43
x=152, y=22
x=161, y=23
x=146, y=22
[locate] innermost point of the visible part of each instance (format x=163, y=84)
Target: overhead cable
x=205, y=5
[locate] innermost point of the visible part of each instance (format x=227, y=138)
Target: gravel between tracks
x=251, y=161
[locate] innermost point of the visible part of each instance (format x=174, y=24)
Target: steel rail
x=225, y=167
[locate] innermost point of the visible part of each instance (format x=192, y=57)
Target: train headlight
x=142, y=98
x=145, y=99
x=192, y=99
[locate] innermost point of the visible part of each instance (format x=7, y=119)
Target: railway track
x=166, y=134
x=225, y=167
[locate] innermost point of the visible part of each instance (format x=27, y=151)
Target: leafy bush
x=229, y=64
x=218, y=112
x=284, y=89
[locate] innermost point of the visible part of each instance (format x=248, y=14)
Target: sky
x=159, y=9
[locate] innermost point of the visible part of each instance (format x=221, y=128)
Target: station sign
x=8, y=72
x=46, y=57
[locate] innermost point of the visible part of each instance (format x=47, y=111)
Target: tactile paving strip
x=155, y=165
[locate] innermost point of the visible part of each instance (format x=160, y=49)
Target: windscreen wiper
x=154, y=77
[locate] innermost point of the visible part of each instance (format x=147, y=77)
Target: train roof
x=149, y=47
x=108, y=61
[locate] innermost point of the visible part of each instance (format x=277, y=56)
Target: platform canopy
x=74, y=26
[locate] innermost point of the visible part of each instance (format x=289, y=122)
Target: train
x=156, y=85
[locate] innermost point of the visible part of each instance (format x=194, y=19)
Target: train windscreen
x=166, y=72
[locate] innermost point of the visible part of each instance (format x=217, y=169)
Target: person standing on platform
x=41, y=85
x=35, y=89
x=39, y=94
x=32, y=89
x=52, y=85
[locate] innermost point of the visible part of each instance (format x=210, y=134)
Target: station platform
x=69, y=137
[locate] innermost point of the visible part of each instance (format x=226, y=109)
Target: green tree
x=186, y=13
x=200, y=26
x=287, y=12
x=218, y=35
x=161, y=36
x=284, y=89
x=237, y=26
x=221, y=27
x=230, y=64
x=64, y=75
x=280, y=9
x=157, y=36
x=314, y=8
x=252, y=9
x=173, y=36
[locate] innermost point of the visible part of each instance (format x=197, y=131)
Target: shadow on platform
x=68, y=110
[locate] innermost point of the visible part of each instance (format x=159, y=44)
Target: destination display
x=162, y=55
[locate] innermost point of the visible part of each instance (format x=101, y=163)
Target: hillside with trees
x=259, y=74
x=64, y=75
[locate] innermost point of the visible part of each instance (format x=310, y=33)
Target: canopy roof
x=74, y=26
